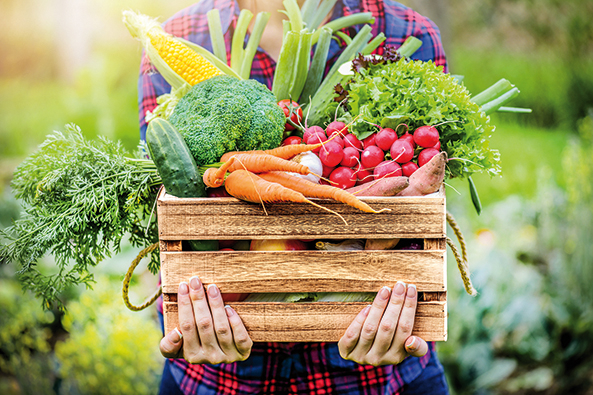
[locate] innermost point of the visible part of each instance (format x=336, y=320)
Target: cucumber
x=203, y=245
x=173, y=160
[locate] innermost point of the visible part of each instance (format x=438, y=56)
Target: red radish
x=217, y=192
x=337, y=127
x=351, y=157
x=409, y=168
x=369, y=141
x=426, y=136
x=426, y=155
x=363, y=175
x=437, y=146
x=343, y=177
x=327, y=170
x=385, y=138
x=336, y=139
x=316, y=138
x=409, y=138
x=331, y=154
x=226, y=249
x=311, y=130
x=387, y=168
x=292, y=140
x=371, y=156
x=351, y=140
x=402, y=151
x=227, y=298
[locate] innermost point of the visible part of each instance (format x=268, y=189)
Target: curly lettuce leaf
x=419, y=93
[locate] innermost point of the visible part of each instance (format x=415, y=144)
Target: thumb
x=171, y=344
x=416, y=347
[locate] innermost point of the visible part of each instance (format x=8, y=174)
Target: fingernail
x=412, y=344
x=213, y=290
x=195, y=283
x=400, y=288
x=366, y=310
x=183, y=288
x=384, y=293
x=411, y=291
x=229, y=311
x=175, y=336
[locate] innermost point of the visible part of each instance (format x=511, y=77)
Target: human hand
x=210, y=332
x=381, y=333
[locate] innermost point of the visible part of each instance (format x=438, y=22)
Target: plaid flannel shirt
x=295, y=368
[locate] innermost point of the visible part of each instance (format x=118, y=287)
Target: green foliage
x=418, y=93
x=82, y=198
x=531, y=326
x=25, y=332
x=110, y=350
x=224, y=114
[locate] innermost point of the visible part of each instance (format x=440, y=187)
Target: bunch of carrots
x=261, y=177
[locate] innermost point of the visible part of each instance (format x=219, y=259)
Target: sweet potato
x=428, y=178
x=387, y=186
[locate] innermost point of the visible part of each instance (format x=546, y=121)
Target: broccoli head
x=224, y=113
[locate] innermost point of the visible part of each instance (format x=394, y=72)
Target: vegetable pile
x=390, y=127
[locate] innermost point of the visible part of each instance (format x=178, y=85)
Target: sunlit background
x=530, y=329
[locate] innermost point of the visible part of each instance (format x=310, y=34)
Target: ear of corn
x=177, y=62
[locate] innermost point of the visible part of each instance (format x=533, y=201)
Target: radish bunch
x=348, y=161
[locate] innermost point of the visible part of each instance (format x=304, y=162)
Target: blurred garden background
x=529, y=330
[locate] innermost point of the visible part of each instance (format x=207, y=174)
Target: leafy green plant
x=110, y=350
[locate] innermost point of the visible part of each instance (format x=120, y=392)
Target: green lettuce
x=418, y=93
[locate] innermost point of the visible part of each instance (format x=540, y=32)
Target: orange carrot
x=248, y=186
x=261, y=163
x=312, y=190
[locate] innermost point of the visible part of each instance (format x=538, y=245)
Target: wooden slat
x=316, y=322
x=305, y=271
x=229, y=218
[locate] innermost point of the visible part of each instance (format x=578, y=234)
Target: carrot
x=428, y=178
x=310, y=189
x=250, y=187
x=387, y=186
x=261, y=163
x=285, y=152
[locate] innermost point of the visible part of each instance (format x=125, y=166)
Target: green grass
x=525, y=151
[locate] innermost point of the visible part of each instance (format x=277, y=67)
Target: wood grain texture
x=305, y=271
x=316, y=322
x=230, y=218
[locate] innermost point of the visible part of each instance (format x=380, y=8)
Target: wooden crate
x=306, y=271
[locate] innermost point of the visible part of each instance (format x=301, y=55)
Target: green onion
x=346, y=21
x=308, y=11
x=294, y=15
x=495, y=104
x=216, y=34
x=520, y=110
x=324, y=94
x=322, y=11
x=285, y=66
x=492, y=92
x=254, y=39
x=409, y=46
x=347, y=39
x=317, y=68
x=301, y=66
x=373, y=44
x=237, y=49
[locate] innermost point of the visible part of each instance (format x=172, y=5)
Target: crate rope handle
x=461, y=259
x=128, y=277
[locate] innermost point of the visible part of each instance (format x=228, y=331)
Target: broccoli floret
x=224, y=114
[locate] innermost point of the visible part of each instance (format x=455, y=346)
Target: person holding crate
x=212, y=352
